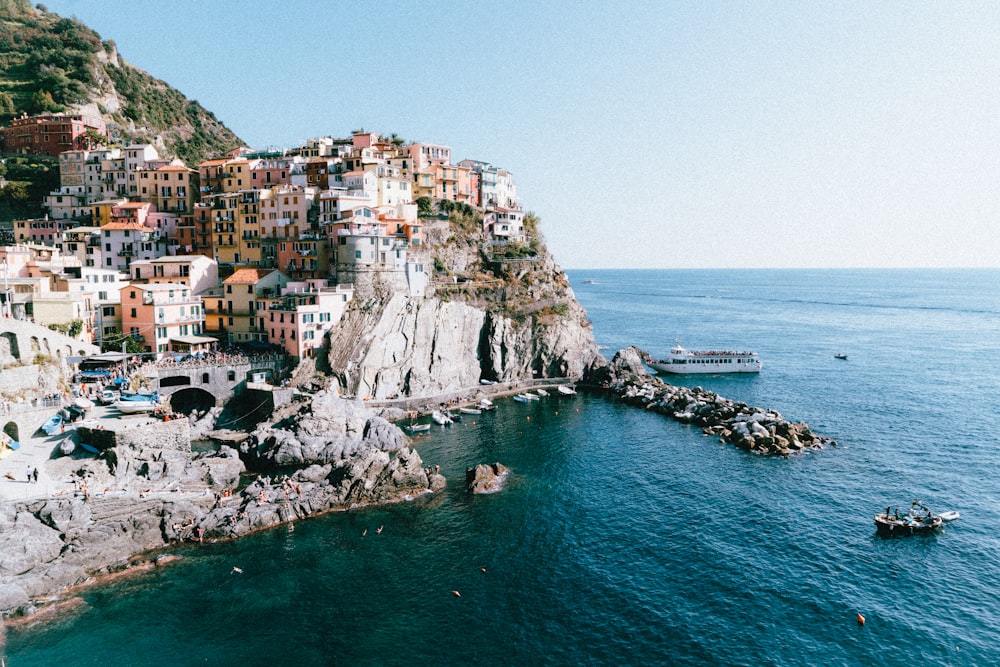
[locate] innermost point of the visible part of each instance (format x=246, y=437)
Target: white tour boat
x=707, y=361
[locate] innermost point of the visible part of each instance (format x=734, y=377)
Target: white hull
x=690, y=369
x=689, y=362
x=135, y=407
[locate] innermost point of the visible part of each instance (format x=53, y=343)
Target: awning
x=193, y=340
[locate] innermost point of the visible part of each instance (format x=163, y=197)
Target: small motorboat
x=486, y=405
x=520, y=398
x=948, y=516
x=541, y=392
x=418, y=428
x=470, y=411
x=566, y=390
x=531, y=397
x=53, y=424
x=840, y=356
x=131, y=406
x=918, y=520
x=441, y=418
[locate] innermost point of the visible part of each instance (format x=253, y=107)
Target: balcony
x=126, y=253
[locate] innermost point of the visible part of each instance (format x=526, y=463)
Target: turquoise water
x=625, y=538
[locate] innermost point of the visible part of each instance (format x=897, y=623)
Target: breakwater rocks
x=754, y=429
x=147, y=490
x=486, y=478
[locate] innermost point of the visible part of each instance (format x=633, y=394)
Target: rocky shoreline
x=753, y=429
x=147, y=491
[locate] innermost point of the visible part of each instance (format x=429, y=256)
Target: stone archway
x=191, y=399
x=10, y=428
x=175, y=381
x=8, y=346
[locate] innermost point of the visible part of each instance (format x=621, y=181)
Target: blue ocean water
x=626, y=538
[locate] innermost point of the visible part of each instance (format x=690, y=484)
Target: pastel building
x=51, y=134
x=162, y=317
x=196, y=271
x=237, y=310
x=84, y=243
x=304, y=313
x=124, y=242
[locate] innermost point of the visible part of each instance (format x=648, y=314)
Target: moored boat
x=566, y=390
x=470, y=411
x=520, y=398
x=441, y=418
x=685, y=361
x=531, y=397
x=918, y=520
x=418, y=428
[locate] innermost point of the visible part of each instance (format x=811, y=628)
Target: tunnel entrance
x=189, y=400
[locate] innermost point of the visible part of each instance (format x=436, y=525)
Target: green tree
x=42, y=102
x=113, y=343
x=424, y=206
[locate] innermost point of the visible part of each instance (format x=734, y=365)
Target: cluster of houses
x=258, y=248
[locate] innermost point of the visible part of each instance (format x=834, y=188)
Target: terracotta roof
x=248, y=275
x=132, y=226
x=135, y=204
x=213, y=163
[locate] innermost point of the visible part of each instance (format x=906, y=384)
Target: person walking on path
x=34, y=475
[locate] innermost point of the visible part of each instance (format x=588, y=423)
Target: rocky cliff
x=496, y=318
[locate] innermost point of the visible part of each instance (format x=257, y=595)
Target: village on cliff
x=259, y=248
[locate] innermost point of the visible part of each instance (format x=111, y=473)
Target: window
x=231, y=376
x=357, y=254
x=204, y=378
x=249, y=289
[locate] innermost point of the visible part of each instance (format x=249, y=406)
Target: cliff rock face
x=530, y=326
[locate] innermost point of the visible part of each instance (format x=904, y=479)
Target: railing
x=9, y=408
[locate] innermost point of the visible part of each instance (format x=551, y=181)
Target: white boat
x=531, y=397
x=707, y=361
x=486, y=405
x=418, y=428
x=134, y=407
x=948, y=516
x=470, y=411
x=441, y=418
x=520, y=398
x=566, y=390
x=541, y=392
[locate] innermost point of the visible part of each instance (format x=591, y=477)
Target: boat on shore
x=53, y=424
x=441, y=418
x=131, y=406
x=916, y=521
x=685, y=361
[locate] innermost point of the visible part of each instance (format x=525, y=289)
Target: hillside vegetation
x=53, y=64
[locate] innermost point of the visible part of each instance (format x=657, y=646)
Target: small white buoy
x=236, y=570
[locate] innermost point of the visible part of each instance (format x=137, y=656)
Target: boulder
x=486, y=478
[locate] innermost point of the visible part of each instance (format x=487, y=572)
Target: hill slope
x=51, y=64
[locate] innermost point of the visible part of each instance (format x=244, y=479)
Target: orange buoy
x=456, y=594
x=861, y=619
x=483, y=570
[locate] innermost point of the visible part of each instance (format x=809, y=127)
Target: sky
x=643, y=134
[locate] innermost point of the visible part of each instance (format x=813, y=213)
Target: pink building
x=163, y=317
x=300, y=318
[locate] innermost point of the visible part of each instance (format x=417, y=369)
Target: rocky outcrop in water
x=754, y=429
x=486, y=478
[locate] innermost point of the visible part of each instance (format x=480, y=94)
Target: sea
x=624, y=538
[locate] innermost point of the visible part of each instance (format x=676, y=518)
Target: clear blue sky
x=645, y=134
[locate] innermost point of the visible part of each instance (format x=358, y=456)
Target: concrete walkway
x=42, y=451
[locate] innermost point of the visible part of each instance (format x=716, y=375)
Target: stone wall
x=139, y=433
